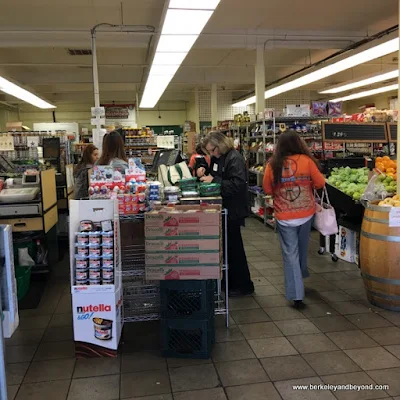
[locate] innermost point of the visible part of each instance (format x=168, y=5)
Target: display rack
x=141, y=297
x=257, y=130
x=29, y=148
x=266, y=131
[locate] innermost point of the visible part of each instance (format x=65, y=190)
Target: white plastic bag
x=170, y=176
x=24, y=258
x=325, y=218
x=376, y=189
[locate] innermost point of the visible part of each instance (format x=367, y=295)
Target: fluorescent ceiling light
x=367, y=93
x=153, y=90
x=194, y=4
x=364, y=82
x=185, y=22
x=380, y=50
x=245, y=102
x=176, y=43
x=163, y=70
x=22, y=94
x=168, y=58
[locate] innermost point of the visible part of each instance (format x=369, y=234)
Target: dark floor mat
x=35, y=293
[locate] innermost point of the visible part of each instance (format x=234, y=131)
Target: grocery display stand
x=142, y=297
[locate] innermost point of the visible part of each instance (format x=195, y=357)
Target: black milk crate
x=187, y=338
x=187, y=299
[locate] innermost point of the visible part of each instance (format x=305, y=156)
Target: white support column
x=214, y=108
x=260, y=79
x=197, y=109
x=138, y=125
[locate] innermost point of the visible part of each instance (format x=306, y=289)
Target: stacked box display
x=188, y=321
x=183, y=243
x=189, y=299
x=182, y=338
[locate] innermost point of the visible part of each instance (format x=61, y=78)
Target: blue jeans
x=294, y=244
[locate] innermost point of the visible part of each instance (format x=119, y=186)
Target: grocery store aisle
x=338, y=339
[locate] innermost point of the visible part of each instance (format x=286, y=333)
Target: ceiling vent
x=79, y=52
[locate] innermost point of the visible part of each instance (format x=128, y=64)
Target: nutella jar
x=95, y=262
x=108, y=275
x=81, y=274
x=82, y=250
x=94, y=238
x=94, y=274
x=81, y=262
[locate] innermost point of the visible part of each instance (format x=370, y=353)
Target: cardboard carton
x=182, y=246
x=183, y=273
x=187, y=232
x=197, y=259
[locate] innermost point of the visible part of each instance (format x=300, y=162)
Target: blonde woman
x=228, y=168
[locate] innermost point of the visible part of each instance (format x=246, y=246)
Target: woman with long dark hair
x=291, y=177
x=89, y=157
x=113, y=152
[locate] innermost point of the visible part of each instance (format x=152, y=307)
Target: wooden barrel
x=380, y=258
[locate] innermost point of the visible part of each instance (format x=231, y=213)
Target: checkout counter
x=65, y=188
x=31, y=206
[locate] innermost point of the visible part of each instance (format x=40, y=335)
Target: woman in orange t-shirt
x=291, y=177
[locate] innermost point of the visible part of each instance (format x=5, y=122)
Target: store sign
x=98, y=111
x=6, y=143
x=120, y=115
x=394, y=217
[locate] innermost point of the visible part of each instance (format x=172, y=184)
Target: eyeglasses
x=212, y=151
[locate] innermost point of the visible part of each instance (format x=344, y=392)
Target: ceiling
x=36, y=36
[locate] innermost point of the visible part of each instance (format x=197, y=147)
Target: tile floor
x=338, y=339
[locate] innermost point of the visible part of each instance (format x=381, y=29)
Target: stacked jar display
x=94, y=258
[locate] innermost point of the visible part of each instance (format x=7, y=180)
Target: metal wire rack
x=141, y=297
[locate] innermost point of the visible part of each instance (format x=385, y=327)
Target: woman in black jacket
x=228, y=168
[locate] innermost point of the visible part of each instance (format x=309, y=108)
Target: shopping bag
x=171, y=175
x=325, y=217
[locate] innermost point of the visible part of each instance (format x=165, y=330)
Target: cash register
x=18, y=194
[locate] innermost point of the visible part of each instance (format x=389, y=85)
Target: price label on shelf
x=394, y=217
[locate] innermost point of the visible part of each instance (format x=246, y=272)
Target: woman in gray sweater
x=113, y=152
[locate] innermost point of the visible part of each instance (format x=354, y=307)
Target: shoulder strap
x=179, y=170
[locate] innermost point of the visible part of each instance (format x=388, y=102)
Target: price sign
x=33, y=141
x=6, y=143
x=394, y=217
x=354, y=132
x=98, y=111
x=98, y=120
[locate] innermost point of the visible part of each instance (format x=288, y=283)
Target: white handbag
x=325, y=216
